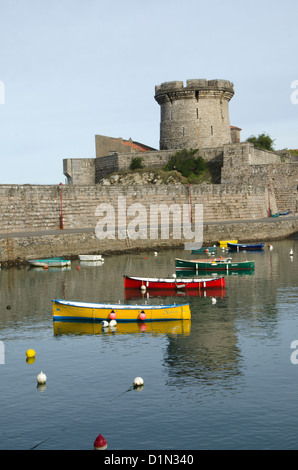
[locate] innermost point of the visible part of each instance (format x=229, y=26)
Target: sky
x=71, y=69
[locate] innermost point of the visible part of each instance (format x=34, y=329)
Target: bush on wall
x=187, y=163
x=136, y=163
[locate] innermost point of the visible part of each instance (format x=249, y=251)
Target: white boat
x=91, y=258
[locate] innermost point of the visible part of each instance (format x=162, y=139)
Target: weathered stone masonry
x=37, y=211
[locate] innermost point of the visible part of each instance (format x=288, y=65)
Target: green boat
x=218, y=264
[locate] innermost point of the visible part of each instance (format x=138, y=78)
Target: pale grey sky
x=71, y=69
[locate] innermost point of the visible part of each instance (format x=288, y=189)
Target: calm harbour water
x=223, y=381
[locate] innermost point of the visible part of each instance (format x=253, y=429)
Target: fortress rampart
x=30, y=216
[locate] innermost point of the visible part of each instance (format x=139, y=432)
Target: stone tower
x=195, y=115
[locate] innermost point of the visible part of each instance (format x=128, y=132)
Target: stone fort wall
x=30, y=216
x=33, y=208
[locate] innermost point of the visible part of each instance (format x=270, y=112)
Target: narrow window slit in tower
x=197, y=113
x=211, y=130
x=197, y=95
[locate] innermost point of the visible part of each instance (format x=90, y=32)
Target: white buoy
x=213, y=300
x=155, y=253
x=291, y=252
x=174, y=276
x=113, y=323
x=138, y=381
x=143, y=288
x=41, y=378
x=104, y=323
x=270, y=246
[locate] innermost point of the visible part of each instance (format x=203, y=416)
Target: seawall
x=41, y=221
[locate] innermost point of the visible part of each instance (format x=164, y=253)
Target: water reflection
x=152, y=328
x=132, y=293
x=237, y=348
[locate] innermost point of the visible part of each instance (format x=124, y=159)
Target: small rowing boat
x=64, y=310
x=245, y=246
x=224, y=243
x=172, y=283
x=91, y=258
x=50, y=262
x=219, y=264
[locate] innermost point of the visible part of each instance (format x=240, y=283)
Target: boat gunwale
x=174, y=280
x=78, y=304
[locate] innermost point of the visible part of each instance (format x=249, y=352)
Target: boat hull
x=92, y=312
x=49, y=262
x=245, y=246
x=225, y=265
x=91, y=258
x=224, y=243
x=155, y=283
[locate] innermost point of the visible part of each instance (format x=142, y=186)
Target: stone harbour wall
x=31, y=216
x=34, y=208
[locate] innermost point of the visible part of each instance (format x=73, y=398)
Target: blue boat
x=245, y=246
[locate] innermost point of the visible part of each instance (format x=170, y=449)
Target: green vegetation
x=262, y=141
x=136, y=163
x=189, y=165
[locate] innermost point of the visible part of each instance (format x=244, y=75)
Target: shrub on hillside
x=136, y=163
x=187, y=163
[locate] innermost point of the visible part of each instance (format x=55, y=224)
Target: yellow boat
x=224, y=243
x=169, y=328
x=64, y=310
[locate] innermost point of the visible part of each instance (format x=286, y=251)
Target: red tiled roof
x=137, y=146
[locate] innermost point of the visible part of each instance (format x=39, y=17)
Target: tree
x=262, y=141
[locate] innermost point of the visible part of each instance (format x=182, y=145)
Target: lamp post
x=61, y=208
x=269, y=211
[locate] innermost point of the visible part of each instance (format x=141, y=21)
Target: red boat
x=172, y=283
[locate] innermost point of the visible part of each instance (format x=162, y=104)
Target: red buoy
x=100, y=443
x=112, y=315
x=142, y=316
